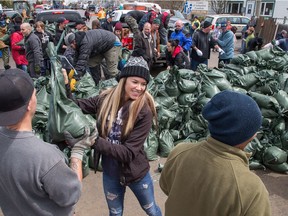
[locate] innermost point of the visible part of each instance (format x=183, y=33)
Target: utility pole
x=258, y=8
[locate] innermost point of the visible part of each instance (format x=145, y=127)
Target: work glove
x=37, y=69
x=221, y=51
x=199, y=52
x=80, y=144
x=275, y=42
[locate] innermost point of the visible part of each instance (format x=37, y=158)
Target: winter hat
x=135, y=66
x=232, y=117
x=16, y=89
x=118, y=26
x=156, y=21
x=206, y=24
x=69, y=38
x=196, y=24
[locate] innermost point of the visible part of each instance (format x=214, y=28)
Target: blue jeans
x=22, y=67
x=143, y=190
x=194, y=64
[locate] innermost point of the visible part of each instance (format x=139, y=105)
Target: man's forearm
x=76, y=166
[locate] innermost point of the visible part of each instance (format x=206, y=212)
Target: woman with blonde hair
x=125, y=115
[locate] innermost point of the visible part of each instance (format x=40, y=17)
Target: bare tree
x=218, y=6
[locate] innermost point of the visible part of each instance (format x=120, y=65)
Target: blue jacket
x=226, y=42
x=283, y=44
x=185, y=40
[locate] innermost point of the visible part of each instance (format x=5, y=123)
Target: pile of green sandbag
x=181, y=94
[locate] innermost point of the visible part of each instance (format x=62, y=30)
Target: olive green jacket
x=212, y=178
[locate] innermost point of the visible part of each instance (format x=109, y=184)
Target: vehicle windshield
x=178, y=14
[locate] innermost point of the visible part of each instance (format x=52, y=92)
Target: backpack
x=148, y=17
x=165, y=19
x=143, y=20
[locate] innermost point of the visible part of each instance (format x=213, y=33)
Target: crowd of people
x=124, y=117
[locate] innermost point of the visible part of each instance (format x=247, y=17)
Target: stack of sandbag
x=181, y=94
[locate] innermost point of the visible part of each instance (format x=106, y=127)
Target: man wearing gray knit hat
x=212, y=177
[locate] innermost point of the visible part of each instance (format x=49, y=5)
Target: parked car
x=47, y=7
x=92, y=8
x=10, y=13
x=51, y=16
x=236, y=20
x=119, y=15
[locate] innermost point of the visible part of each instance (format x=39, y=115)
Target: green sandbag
x=219, y=78
x=253, y=146
x=185, y=74
x=175, y=134
x=237, y=68
x=193, y=126
x=187, y=86
x=253, y=56
x=165, y=143
x=282, y=98
x=171, y=87
x=151, y=146
x=166, y=102
x=91, y=161
x=265, y=54
x=269, y=113
x=279, y=126
x=108, y=83
x=284, y=140
x=269, y=87
x=256, y=165
x=85, y=87
x=277, y=63
x=209, y=88
x=42, y=108
x=240, y=59
x=282, y=79
x=239, y=90
x=281, y=168
x=246, y=81
x=162, y=77
x=264, y=101
x=274, y=155
x=165, y=117
x=186, y=99
x=64, y=114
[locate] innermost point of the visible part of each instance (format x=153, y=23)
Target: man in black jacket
x=33, y=49
x=92, y=47
x=108, y=24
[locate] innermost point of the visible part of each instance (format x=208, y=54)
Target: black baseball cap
x=62, y=20
x=80, y=22
x=16, y=89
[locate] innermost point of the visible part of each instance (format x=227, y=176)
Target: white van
x=236, y=20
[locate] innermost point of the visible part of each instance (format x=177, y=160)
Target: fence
x=268, y=28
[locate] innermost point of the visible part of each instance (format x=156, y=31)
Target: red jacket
x=18, y=52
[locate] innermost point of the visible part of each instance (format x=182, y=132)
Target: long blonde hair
x=112, y=102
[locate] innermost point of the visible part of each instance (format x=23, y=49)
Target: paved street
x=92, y=201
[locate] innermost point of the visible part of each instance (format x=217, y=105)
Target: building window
x=267, y=8
x=234, y=8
